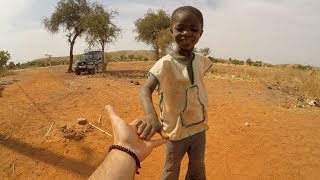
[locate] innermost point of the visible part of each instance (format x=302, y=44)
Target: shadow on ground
x=46, y=156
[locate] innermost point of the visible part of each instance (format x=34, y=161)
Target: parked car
x=89, y=62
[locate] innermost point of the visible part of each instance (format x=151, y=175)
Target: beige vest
x=183, y=106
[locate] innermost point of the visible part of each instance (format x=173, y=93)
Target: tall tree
x=69, y=15
x=153, y=29
x=4, y=58
x=101, y=29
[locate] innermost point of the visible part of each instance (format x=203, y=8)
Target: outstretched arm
x=118, y=164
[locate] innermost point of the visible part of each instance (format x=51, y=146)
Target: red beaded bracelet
x=128, y=151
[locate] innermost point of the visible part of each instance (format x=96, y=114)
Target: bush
x=257, y=63
x=215, y=60
x=131, y=56
x=302, y=67
x=236, y=62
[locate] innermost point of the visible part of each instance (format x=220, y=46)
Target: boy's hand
x=149, y=126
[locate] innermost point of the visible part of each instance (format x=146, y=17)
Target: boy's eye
x=194, y=30
x=179, y=29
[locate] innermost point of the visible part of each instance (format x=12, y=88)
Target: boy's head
x=186, y=26
x=187, y=9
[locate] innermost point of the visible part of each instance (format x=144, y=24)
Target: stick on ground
x=49, y=130
x=100, y=129
x=99, y=120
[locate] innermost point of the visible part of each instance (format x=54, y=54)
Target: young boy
x=183, y=97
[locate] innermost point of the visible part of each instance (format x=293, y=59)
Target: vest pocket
x=193, y=112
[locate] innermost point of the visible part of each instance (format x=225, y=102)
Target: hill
x=111, y=56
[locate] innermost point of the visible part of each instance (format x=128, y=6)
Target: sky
x=272, y=31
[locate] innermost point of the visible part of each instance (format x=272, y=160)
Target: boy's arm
x=150, y=123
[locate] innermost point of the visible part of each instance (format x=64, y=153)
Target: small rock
x=301, y=98
x=63, y=128
x=311, y=102
x=286, y=106
x=301, y=106
x=137, y=83
x=246, y=124
x=88, y=87
x=82, y=121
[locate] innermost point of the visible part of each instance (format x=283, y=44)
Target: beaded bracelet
x=128, y=151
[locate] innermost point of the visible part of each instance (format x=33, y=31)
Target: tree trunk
x=157, y=52
x=71, y=57
x=103, y=61
x=71, y=52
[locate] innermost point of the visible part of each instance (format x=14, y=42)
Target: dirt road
x=255, y=133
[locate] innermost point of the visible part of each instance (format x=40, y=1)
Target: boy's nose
x=186, y=32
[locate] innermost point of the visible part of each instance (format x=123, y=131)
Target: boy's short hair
x=190, y=9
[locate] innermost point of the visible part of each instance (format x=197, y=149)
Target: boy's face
x=186, y=30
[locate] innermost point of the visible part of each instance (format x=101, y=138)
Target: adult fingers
x=141, y=128
x=116, y=122
x=114, y=118
x=157, y=142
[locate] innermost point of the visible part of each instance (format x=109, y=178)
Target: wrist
x=127, y=152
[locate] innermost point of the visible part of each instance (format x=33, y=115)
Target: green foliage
x=101, y=29
x=11, y=65
x=302, y=67
x=153, y=29
x=249, y=62
x=215, y=60
x=131, y=56
x=236, y=62
x=4, y=58
x=71, y=16
x=257, y=63
x=123, y=57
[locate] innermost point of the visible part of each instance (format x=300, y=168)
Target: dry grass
x=287, y=79
x=6, y=73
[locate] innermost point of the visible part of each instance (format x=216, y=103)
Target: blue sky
x=273, y=31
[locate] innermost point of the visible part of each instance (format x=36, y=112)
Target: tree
x=4, y=58
x=101, y=29
x=153, y=29
x=204, y=51
x=11, y=65
x=69, y=15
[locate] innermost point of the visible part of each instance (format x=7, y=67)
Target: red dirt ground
x=281, y=141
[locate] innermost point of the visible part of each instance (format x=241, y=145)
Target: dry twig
x=99, y=120
x=100, y=129
x=49, y=130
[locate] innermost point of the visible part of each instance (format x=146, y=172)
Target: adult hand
x=126, y=135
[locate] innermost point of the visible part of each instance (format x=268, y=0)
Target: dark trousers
x=175, y=150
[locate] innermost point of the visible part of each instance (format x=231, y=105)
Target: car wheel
x=94, y=70
x=77, y=72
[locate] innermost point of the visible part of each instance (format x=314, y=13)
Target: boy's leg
x=196, y=151
x=175, y=151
